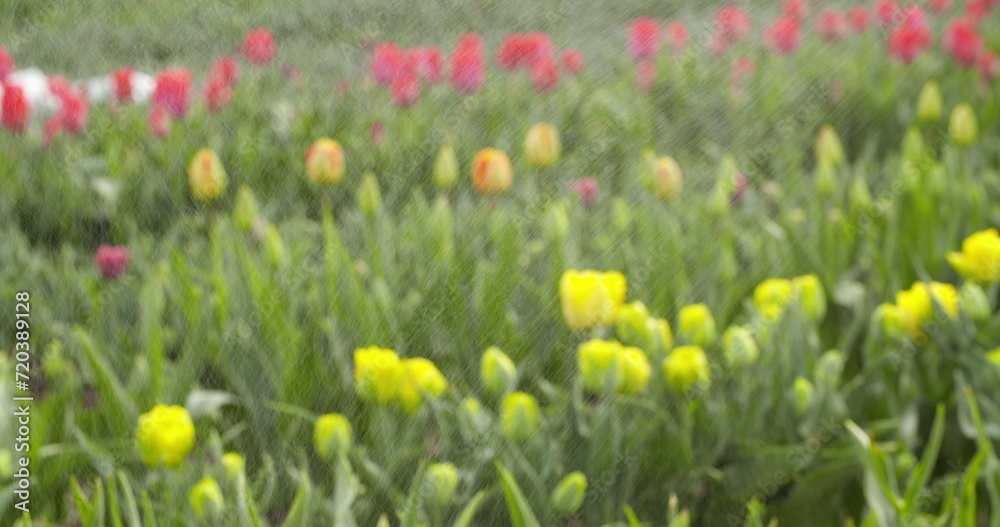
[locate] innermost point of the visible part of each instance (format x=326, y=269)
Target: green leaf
x=84, y=509
x=922, y=472
x=520, y=512
x=469, y=512
x=967, y=503
x=301, y=511
x=147, y=511
x=633, y=520
x=131, y=509
x=682, y=520
x=244, y=503
x=116, y=515
x=347, y=488
x=122, y=410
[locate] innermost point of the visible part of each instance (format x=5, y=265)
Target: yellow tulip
x=206, y=176
x=590, y=298
x=697, y=325
x=980, y=257
x=166, y=436
x=423, y=380
x=498, y=372
x=378, y=374
x=332, y=436
x=772, y=295
x=325, y=162
x=600, y=363
x=917, y=305
x=669, y=177
x=685, y=367
x=520, y=417
x=206, y=499
x=811, y=296
x=636, y=371
x=541, y=146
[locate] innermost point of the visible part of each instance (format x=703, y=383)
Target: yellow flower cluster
x=608, y=364
x=916, y=304
x=773, y=295
x=381, y=376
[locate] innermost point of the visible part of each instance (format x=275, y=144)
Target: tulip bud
x=471, y=414
x=828, y=147
x=600, y=365
x=520, y=417
x=697, y=326
x=206, y=499
x=491, y=172
x=685, y=367
x=804, y=391
x=369, y=196
x=445, y=167
x=826, y=178
x=440, y=482
x=963, y=127
x=541, y=146
x=325, y=162
x=166, y=435
x=206, y=176
x=929, y=103
x=974, y=303
x=275, y=248
x=665, y=336
x=811, y=296
x=889, y=320
x=557, y=222
x=497, y=370
x=423, y=379
x=669, y=177
x=332, y=436
x=829, y=368
x=861, y=197
x=234, y=464
x=378, y=374
x=739, y=346
x=633, y=326
x=635, y=371
x=245, y=209
x=567, y=497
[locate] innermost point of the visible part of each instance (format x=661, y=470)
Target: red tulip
x=742, y=67
x=173, y=91
x=538, y=47
x=914, y=16
x=74, y=111
x=832, y=25
x=677, y=36
x=587, y=189
x=978, y=10
x=406, y=89
x=733, y=23
x=217, y=94
x=376, y=132
x=645, y=75
x=121, y=84
x=429, y=63
x=572, y=61
x=510, y=54
x=797, y=9
x=939, y=6
x=7, y=63
x=468, y=67
x=259, y=47
x=643, y=39
x=859, y=18
x=14, y=109
x=912, y=37
x=784, y=35
x=989, y=65
x=886, y=12
x=159, y=121
x=962, y=42
x=51, y=130
x=112, y=261
x=226, y=69
x=544, y=75
x=387, y=60
x=470, y=41
x=59, y=86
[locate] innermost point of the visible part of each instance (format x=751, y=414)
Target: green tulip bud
x=275, y=248
x=567, y=497
x=557, y=222
x=440, y=482
x=861, y=197
x=826, y=178
x=811, y=296
x=445, y=167
x=804, y=392
x=234, y=464
x=929, y=103
x=974, y=302
x=828, y=147
x=665, y=336
x=206, y=499
x=739, y=346
x=889, y=320
x=963, y=127
x=332, y=436
x=520, y=417
x=697, y=326
x=498, y=372
x=245, y=209
x=369, y=195
x=829, y=367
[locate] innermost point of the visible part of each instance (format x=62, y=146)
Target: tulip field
x=500, y=264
